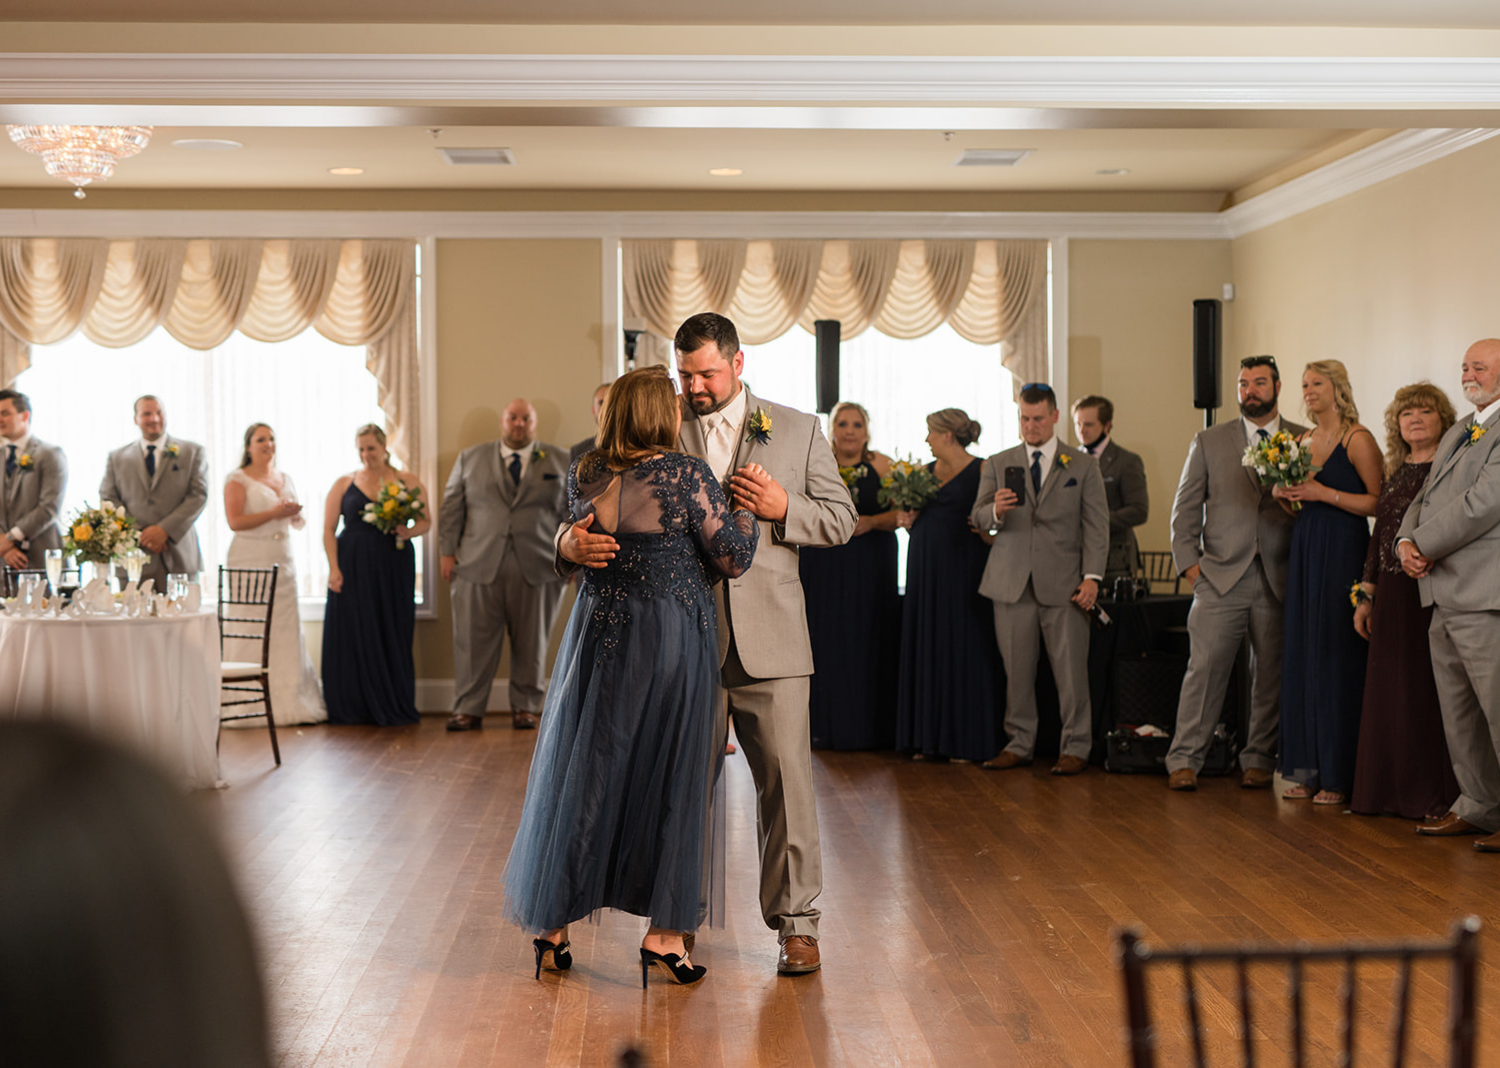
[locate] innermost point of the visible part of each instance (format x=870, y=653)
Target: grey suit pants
x=1020, y=630
x=1217, y=624
x=771, y=723
x=483, y=614
x=1467, y=673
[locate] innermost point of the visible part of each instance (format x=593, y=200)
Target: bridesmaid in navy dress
x=853, y=606
x=1323, y=659
x=368, y=675
x=948, y=699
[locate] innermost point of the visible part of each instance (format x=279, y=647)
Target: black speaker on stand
x=826, y=333
x=1208, y=341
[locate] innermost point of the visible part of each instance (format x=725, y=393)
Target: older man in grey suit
x=162, y=482
x=501, y=508
x=1043, y=575
x=31, y=490
x=1449, y=542
x=779, y=466
x=1231, y=540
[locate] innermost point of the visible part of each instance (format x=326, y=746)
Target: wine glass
x=176, y=587
x=54, y=558
x=135, y=560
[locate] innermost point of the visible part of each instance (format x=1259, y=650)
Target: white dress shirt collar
x=1481, y=414
x=1252, y=432
x=160, y=443
x=22, y=443
x=524, y=452
x=1049, y=453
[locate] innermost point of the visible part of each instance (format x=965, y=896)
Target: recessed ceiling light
x=207, y=144
x=991, y=157
x=479, y=157
x=724, y=172
x=1111, y=172
x=346, y=170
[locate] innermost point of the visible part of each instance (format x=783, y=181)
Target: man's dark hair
x=19, y=401
x=1103, y=405
x=1038, y=393
x=708, y=327
x=1262, y=361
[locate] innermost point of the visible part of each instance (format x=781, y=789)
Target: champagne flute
x=54, y=558
x=135, y=560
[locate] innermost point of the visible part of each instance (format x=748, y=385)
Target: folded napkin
x=194, y=599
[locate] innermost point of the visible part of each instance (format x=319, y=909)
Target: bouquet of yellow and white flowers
x=395, y=508
x=909, y=486
x=1280, y=460
x=851, y=476
x=100, y=534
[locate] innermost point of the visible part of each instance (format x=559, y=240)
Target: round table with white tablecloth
x=151, y=684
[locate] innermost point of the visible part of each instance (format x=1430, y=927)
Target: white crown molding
x=1068, y=81
x=1395, y=155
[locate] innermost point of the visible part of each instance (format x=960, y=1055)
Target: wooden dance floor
x=967, y=915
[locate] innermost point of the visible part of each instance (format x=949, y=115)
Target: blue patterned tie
x=515, y=468
x=1036, y=471
x=150, y=461
x=10, y=462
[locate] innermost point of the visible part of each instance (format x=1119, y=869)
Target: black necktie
x=1036, y=472
x=515, y=468
x=150, y=461
x=10, y=462
x=1263, y=434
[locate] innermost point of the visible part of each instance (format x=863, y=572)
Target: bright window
x=312, y=392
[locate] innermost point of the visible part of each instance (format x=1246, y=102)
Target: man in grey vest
x=33, y=479
x=501, y=508
x=162, y=483
x=1124, y=483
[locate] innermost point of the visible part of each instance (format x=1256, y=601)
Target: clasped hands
x=751, y=488
x=1412, y=561
x=12, y=553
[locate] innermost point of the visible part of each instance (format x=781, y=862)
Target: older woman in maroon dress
x=1402, y=766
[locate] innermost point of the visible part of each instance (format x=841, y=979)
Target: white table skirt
x=150, y=684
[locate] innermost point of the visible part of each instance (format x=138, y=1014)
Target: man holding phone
x=1046, y=504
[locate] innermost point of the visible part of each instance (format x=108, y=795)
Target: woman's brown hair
x=249, y=434
x=640, y=419
x=866, y=453
x=1419, y=395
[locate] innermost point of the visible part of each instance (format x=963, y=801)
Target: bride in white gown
x=260, y=503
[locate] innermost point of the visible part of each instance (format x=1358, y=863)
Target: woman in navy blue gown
x=1323, y=659
x=617, y=811
x=947, y=703
x=853, y=606
x=368, y=676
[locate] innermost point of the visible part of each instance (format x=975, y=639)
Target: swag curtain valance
x=990, y=292
x=352, y=292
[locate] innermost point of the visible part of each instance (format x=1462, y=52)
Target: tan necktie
x=719, y=441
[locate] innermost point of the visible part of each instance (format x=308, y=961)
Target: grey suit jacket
x=1455, y=520
x=1051, y=539
x=31, y=499
x=173, y=500
x=1222, y=517
x=1129, y=506
x=484, y=515
x=764, y=607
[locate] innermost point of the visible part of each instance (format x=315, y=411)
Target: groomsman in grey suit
x=161, y=482
x=778, y=465
x=1043, y=575
x=1124, y=483
x=31, y=491
x=1231, y=540
x=587, y=444
x=501, y=508
x=1449, y=542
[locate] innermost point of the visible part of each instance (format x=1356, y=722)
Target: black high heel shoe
x=677, y=968
x=553, y=956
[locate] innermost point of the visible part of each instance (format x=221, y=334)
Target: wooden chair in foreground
x=241, y=590
x=1158, y=569
x=1459, y=949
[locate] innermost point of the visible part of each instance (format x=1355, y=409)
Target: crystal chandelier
x=81, y=154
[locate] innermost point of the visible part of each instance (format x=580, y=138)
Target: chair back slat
x=1294, y=995
x=1346, y=1021
x=1247, y=1040
x=1130, y=952
x=1402, y=998
x=1190, y=998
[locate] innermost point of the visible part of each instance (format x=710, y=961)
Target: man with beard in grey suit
x=1124, y=483
x=1449, y=542
x=1231, y=539
x=500, y=510
x=779, y=466
x=34, y=479
x=162, y=483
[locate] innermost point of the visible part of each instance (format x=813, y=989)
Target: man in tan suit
x=779, y=466
x=1231, y=540
x=33, y=480
x=1450, y=543
x=501, y=507
x=1043, y=576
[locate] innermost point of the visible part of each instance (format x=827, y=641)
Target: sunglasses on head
x=1037, y=385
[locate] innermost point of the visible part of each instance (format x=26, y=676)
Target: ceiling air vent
x=479, y=157
x=991, y=157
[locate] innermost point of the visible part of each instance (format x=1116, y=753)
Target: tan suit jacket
x=484, y=514
x=31, y=499
x=172, y=500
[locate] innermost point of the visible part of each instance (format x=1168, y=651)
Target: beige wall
x=1395, y=280
x=1130, y=338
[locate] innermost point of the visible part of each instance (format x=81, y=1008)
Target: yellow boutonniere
x=1064, y=460
x=172, y=449
x=25, y=462
x=1475, y=433
x=538, y=453
x=758, y=427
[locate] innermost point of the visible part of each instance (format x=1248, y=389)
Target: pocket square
x=1070, y=482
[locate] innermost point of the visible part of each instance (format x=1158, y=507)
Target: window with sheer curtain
x=312, y=392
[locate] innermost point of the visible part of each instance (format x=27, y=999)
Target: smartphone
x=1015, y=481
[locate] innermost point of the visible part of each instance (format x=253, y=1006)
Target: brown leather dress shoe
x=1069, y=765
x=1182, y=779
x=1005, y=760
x=523, y=721
x=1257, y=779
x=799, y=955
x=1449, y=826
x=460, y=722
x=1488, y=844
